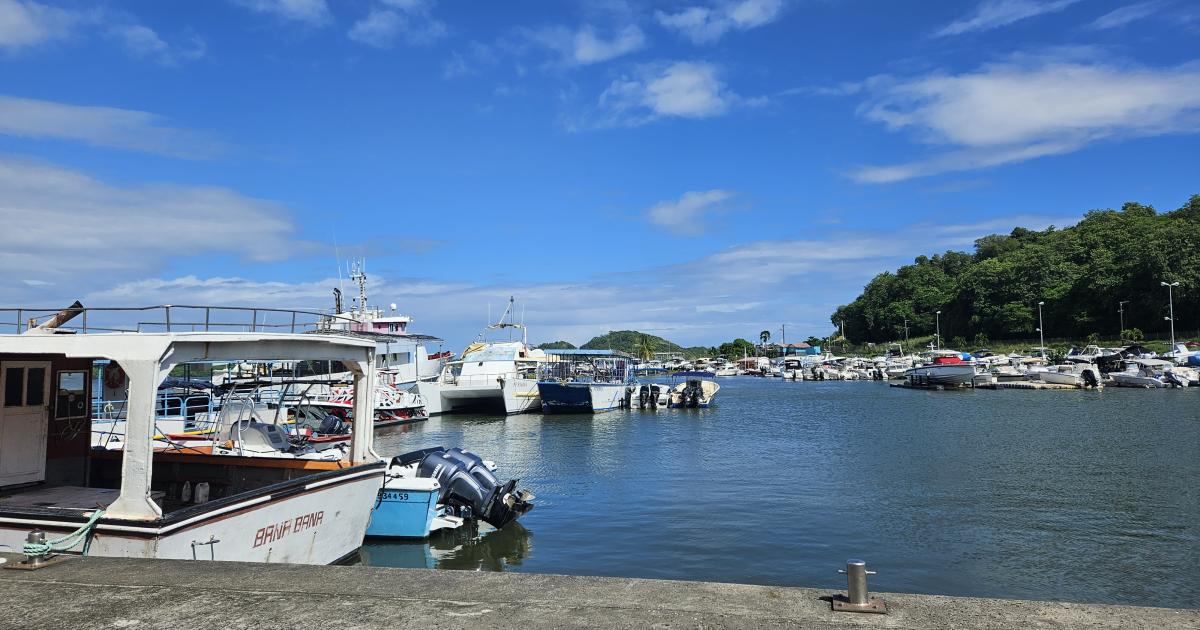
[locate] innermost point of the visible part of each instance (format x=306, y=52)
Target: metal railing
x=176, y=318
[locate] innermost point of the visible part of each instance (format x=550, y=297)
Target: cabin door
x=24, y=419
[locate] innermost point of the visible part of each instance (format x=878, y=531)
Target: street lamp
x=1121, y=310
x=1041, y=333
x=905, y=334
x=1171, y=303
x=939, y=330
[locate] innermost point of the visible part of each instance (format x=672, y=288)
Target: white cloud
x=586, y=46
x=1126, y=14
x=689, y=302
x=991, y=14
x=65, y=227
x=410, y=20
x=313, y=12
x=705, y=25
x=101, y=126
x=143, y=42
x=684, y=89
x=26, y=23
x=690, y=214
x=1027, y=108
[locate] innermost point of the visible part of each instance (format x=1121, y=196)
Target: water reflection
x=472, y=547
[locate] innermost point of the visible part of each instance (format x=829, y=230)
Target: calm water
x=1075, y=495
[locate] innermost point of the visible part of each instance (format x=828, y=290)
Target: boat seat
x=258, y=436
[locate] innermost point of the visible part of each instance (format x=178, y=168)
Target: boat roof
x=182, y=347
x=586, y=352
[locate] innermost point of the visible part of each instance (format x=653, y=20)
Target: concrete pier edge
x=182, y=595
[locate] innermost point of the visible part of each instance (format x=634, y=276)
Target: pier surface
x=182, y=595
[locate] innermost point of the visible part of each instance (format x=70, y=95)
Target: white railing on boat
x=174, y=318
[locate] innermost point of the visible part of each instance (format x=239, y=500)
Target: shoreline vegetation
x=1097, y=279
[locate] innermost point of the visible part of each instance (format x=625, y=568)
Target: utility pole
x=905, y=335
x=1171, y=303
x=1041, y=333
x=783, y=330
x=939, y=330
x=1121, y=312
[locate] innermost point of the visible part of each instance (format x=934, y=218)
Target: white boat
x=1147, y=373
x=1074, y=374
x=143, y=502
x=946, y=369
x=492, y=376
x=696, y=390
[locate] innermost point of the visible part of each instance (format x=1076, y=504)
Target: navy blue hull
x=561, y=398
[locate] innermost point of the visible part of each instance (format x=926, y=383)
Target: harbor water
x=1087, y=496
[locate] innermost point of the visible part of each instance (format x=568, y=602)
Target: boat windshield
x=493, y=353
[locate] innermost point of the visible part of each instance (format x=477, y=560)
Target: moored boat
x=946, y=369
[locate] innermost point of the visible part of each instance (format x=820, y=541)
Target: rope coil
x=75, y=537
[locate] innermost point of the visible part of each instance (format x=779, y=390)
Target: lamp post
x=1171, y=305
x=1041, y=333
x=1121, y=311
x=939, y=330
x=905, y=334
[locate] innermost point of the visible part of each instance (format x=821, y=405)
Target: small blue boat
x=439, y=488
x=406, y=508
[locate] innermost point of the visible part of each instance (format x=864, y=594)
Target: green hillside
x=629, y=340
x=557, y=345
x=1092, y=276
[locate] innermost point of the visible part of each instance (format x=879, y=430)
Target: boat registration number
x=390, y=495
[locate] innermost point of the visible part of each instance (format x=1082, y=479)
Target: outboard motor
x=466, y=482
x=643, y=396
x=1173, y=379
x=1089, y=379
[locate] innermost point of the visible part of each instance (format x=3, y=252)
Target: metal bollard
x=37, y=537
x=857, y=597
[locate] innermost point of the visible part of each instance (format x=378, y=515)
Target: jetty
x=185, y=595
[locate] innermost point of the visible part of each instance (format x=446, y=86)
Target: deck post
x=362, y=441
x=138, y=455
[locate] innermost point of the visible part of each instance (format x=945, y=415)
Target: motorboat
x=1148, y=373
x=144, y=501
x=695, y=390
x=945, y=369
x=1075, y=374
x=439, y=488
x=584, y=381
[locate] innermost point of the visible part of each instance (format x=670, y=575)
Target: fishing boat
x=945, y=369
x=696, y=390
x=584, y=381
x=147, y=502
x=1076, y=374
x=499, y=376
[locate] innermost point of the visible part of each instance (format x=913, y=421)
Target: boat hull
x=581, y=397
x=509, y=396
x=941, y=375
x=316, y=519
x=405, y=509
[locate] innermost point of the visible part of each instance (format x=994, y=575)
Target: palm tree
x=764, y=336
x=645, y=348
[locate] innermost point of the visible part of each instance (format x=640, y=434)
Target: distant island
x=1090, y=276
x=635, y=342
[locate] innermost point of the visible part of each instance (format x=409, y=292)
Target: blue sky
x=702, y=170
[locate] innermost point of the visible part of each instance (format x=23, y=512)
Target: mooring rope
x=75, y=537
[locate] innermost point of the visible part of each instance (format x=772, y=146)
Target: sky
x=701, y=170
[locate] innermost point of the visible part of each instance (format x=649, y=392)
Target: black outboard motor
x=468, y=483
x=1089, y=379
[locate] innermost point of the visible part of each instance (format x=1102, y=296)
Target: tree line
x=1107, y=267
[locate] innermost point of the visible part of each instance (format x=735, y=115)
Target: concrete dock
x=185, y=595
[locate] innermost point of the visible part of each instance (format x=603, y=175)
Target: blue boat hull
x=403, y=513
x=564, y=398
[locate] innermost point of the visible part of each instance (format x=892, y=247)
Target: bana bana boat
x=148, y=502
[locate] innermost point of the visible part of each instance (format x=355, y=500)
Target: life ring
x=114, y=376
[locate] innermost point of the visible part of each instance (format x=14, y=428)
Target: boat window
x=35, y=387
x=12, y=386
